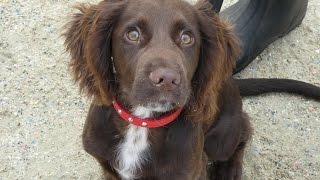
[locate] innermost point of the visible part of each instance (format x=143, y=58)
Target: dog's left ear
x=88, y=39
x=219, y=51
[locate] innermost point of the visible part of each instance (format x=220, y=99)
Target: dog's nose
x=165, y=77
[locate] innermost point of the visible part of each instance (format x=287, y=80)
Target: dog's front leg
x=226, y=139
x=99, y=138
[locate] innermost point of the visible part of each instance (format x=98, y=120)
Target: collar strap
x=147, y=122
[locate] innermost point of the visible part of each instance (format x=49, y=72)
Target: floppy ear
x=88, y=39
x=219, y=51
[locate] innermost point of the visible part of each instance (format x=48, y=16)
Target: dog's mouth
x=161, y=94
x=158, y=101
x=161, y=107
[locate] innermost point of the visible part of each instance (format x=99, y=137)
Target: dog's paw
x=225, y=171
x=108, y=176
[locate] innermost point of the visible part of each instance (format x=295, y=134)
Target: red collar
x=147, y=122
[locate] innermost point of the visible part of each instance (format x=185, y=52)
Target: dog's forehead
x=160, y=10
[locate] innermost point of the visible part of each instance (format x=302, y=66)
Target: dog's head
x=159, y=54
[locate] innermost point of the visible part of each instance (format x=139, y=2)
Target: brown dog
x=159, y=60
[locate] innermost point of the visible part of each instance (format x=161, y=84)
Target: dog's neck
x=143, y=117
x=153, y=110
x=143, y=112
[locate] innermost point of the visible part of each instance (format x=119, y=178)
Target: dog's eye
x=186, y=39
x=133, y=35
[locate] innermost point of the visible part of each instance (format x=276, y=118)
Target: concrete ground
x=42, y=113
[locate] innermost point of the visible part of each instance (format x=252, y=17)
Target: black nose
x=165, y=77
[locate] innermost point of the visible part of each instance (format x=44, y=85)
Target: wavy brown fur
x=88, y=38
x=208, y=139
x=219, y=49
x=212, y=126
x=91, y=54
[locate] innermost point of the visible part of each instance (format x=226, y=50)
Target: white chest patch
x=133, y=151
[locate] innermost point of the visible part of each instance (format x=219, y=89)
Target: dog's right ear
x=88, y=40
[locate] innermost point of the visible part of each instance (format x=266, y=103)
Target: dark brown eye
x=133, y=35
x=186, y=39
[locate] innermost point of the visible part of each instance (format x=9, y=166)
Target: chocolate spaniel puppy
x=165, y=105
